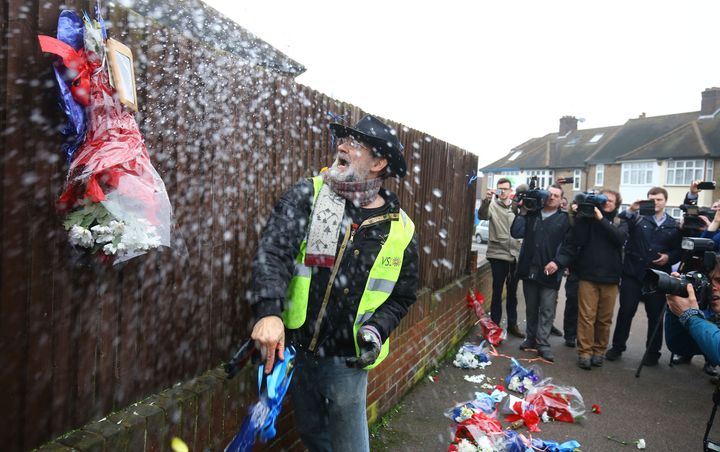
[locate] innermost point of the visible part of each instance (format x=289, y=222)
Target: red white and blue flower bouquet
x=115, y=203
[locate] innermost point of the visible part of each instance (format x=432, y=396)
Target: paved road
x=667, y=406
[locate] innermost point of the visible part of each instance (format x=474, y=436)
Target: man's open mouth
x=342, y=162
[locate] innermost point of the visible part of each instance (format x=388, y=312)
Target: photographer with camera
x=692, y=325
x=598, y=235
x=653, y=242
x=545, y=251
x=502, y=253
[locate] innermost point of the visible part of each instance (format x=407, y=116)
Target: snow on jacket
x=273, y=269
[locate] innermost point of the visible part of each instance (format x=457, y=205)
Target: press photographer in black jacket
x=599, y=240
x=653, y=242
x=544, y=254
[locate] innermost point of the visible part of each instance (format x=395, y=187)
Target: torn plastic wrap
x=489, y=329
x=562, y=403
x=112, y=190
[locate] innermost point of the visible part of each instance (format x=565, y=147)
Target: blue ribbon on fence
x=261, y=417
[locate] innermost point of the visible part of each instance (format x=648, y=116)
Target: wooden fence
x=78, y=339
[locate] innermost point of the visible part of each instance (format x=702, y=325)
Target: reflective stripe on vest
x=381, y=280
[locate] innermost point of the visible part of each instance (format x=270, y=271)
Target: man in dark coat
x=544, y=253
x=336, y=270
x=599, y=240
x=653, y=242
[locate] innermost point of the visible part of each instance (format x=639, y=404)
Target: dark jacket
x=646, y=239
x=599, y=248
x=544, y=241
x=273, y=268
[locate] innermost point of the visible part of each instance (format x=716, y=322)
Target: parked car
x=482, y=231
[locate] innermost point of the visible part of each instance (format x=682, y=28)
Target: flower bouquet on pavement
x=561, y=403
x=490, y=330
x=115, y=203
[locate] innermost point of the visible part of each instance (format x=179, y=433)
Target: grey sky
x=487, y=76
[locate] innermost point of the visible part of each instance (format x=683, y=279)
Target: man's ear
x=379, y=165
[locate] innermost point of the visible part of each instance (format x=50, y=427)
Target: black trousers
x=503, y=274
x=570, y=315
x=630, y=297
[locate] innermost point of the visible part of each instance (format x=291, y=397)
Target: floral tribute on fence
x=115, y=203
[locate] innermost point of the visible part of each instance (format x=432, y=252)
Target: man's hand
x=661, y=260
x=551, y=268
x=694, y=187
x=489, y=194
x=269, y=333
x=678, y=304
x=368, y=340
x=598, y=214
x=636, y=205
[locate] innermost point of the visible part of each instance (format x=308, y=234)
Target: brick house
x=667, y=151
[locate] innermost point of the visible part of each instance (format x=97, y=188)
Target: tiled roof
x=638, y=132
x=552, y=151
x=695, y=139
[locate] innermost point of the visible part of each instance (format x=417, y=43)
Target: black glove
x=368, y=340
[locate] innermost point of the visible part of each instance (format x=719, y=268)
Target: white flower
x=484, y=445
x=466, y=446
x=102, y=234
x=110, y=249
x=474, y=378
x=79, y=236
x=545, y=417
x=640, y=443
x=116, y=227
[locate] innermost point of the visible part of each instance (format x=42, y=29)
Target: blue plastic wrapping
x=70, y=31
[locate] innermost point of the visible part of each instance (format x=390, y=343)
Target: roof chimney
x=567, y=124
x=710, y=101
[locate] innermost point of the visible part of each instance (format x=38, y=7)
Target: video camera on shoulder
x=532, y=198
x=698, y=260
x=692, y=223
x=587, y=202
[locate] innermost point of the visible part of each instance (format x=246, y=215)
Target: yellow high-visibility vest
x=378, y=287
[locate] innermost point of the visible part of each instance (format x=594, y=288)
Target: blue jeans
x=329, y=400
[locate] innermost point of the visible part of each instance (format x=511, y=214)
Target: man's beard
x=349, y=175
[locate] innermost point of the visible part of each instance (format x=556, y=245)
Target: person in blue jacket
x=690, y=331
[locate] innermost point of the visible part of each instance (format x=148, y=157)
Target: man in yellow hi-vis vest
x=336, y=271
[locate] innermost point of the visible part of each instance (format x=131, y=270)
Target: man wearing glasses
x=336, y=271
x=502, y=253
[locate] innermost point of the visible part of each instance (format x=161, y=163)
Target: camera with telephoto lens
x=587, y=202
x=698, y=260
x=532, y=198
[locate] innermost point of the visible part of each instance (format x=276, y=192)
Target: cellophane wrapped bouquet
x=115, y=203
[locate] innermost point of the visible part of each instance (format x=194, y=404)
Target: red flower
x=596, y=408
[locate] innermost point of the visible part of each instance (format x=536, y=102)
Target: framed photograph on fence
x=123, y=74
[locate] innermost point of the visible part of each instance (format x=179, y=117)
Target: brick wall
x=207, y=411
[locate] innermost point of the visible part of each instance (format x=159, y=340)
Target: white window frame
x=545, y=177
x=683, y=172
x=674, y=212
x=599, y=174
x=577, y=177
x=641, y=172
x=709, y=171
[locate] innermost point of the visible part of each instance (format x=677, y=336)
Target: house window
x=674, y=212
x=577, y=174
x=683, y=172
x=545, y=177
x=637, y=173
x=709, y=176
x=596, y=138
x=599, y=175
